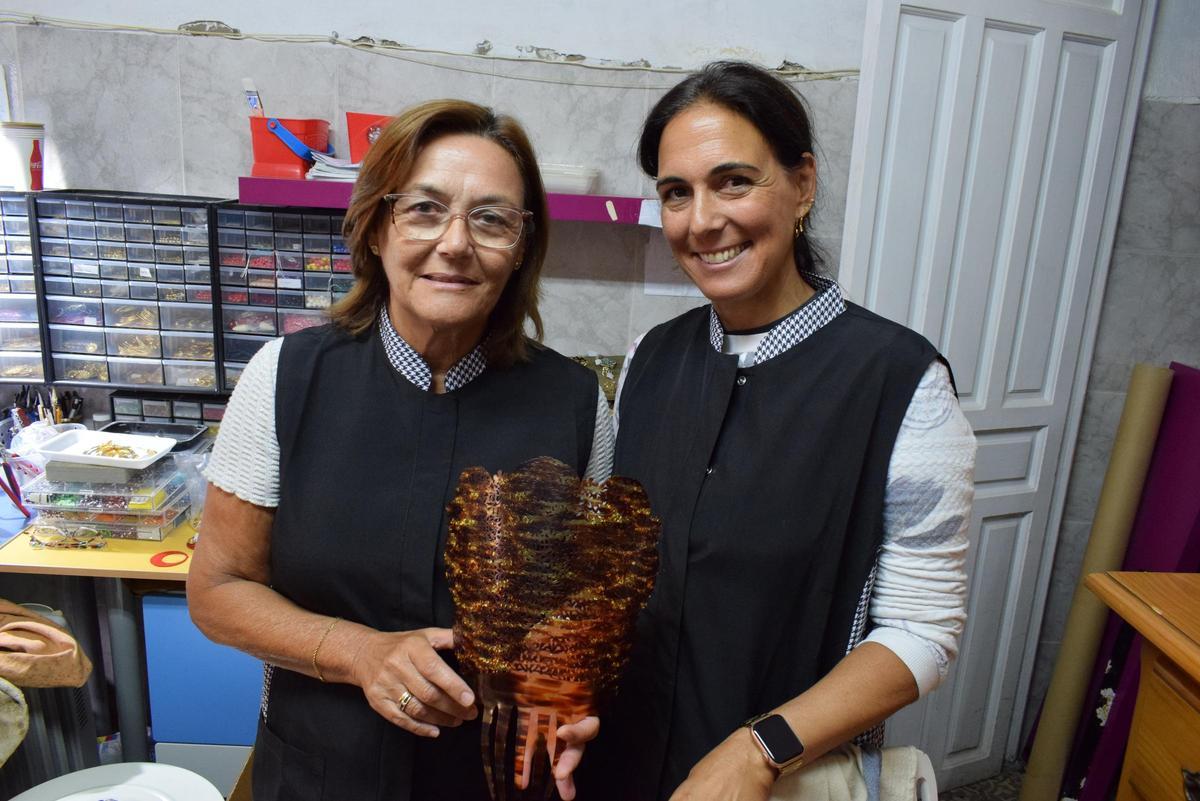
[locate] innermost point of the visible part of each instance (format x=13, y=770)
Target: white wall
x=1174, y=69
x=821, y=34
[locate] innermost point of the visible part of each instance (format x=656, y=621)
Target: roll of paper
x=1123, y=481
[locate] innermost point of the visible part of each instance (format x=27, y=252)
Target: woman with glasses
x=325, y=525
x=813, y=474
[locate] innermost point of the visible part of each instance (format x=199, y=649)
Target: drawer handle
x=1191, y=785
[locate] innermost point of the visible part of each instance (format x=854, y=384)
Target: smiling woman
x=810, y=464
x=425, y=371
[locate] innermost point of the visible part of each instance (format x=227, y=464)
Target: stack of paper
x=327, y=168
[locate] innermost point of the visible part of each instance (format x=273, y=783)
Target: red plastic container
x=273, y=159
x=361, y=131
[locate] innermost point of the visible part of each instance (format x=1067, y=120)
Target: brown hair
x=388, y=164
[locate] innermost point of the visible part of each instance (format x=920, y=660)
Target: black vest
x=367, y=465
x=770, y=482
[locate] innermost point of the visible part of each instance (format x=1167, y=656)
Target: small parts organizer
x=278, y=272
x=147, y=507
x=20, y=330
x=157, y=291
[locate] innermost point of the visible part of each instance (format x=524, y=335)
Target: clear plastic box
x=260, y=240
x=87, y=287
x=79, y=248
x=184, y=345
x=21, y=367
x=78, y=229
x=56, y=248
x=114, y=251
x=139, y=233
x=231, y=257
x=142, y=272
x=237, y=296
x=287, y=222
x=317, y=262
x=186, y=317
x=195, y=215
x=192, y=375
x=114, y=289
x=194, y=254
x=242, y=347
x=170, y=274
x=258, y=297
x=73, y=311
x=111, y=231
x=289, y=299
x=131, y=314
x=80, y=368
x=77, y=339
x=291, y=321
x=289, y=261
x=137, y=344
x=143, y=291
x=316, y=242
x=56, y=266
x=233, y=373
x=135, y=371
x=56, y=229
x=150, y=527
x=138, y=252
x=342, y=263
x=115, y=270
x=194, y=235
x=168, y=254
x=199, y=294
x=232, y=276
x=261, y=259
x=263, y=279
x=231, y=238
x=16, y=225
x=18, y=309
x=58, y=285
x=250, y=320
x=85, y=269
x=168, y=235
x=49, y=207
x=289, y=242
x=20, y=336
x=109, y=212
x=167, y=215
x=20, y=265
x=259, y=220
x=316, y=224
x=22, y=284
x=197, y=274
x=231, y=218
x=80, y=210
x=172, y=293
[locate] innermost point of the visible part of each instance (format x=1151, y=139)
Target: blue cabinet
x=200, y=692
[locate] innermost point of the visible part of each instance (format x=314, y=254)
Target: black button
x=708, y=470
x=741, y=380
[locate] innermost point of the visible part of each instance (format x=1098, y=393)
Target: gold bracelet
x=317, y=650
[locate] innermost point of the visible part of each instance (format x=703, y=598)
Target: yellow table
x=115, y=563
x=126, y=559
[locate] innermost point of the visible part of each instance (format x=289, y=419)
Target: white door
x=989, y=154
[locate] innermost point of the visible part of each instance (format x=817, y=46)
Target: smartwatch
x=780, y=746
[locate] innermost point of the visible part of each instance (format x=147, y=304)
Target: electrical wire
x=402, y=52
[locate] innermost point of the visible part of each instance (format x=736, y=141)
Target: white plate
x=72, y=446
x=130, y=781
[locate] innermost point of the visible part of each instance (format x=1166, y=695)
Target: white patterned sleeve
x=600, y=462
x=616, y=416
x=245, y=458
x=918, y=605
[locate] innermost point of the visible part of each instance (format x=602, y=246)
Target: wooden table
x=1164, y=742
x=115, y=564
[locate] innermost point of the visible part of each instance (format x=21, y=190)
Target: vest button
x=708, y=470
x=741, y=380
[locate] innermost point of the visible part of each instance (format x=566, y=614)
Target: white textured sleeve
x=616, y=416
x=918, y=606
x=245, y=458
x=600, y=463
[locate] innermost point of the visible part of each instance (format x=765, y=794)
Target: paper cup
x=22, y=154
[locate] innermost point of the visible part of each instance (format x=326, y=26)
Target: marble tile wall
x=166, y=114
x=1151, y=313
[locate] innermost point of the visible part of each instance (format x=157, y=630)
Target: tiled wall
x=166, y=114
x=1151, y=313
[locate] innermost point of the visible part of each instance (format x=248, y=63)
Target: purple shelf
x=336, y=195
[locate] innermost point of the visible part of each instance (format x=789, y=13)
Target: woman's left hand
x=733, y=771
x=576, y=736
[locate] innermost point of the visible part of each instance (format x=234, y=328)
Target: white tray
x=70, y=446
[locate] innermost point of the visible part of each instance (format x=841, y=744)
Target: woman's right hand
x=392, y=663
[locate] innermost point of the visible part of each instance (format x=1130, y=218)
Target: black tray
x=184, y=434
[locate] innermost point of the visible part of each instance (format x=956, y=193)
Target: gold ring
x=404, y=699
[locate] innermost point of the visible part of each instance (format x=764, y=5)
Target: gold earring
x=799, y=228
x=517, y=266
x=375, y=249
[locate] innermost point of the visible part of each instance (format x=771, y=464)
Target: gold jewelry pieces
x=799, y=228
x=405, y=698
x=50, y=537
x=317, y=650
x=112, y=450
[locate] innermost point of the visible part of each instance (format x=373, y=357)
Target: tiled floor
x=1005, y=787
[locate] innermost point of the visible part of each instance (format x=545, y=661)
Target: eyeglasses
x=422, y=218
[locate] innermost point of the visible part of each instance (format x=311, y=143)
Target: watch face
x=778, y=739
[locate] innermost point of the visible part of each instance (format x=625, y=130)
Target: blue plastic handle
x=288, y=138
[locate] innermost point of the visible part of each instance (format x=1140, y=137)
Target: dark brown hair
x=388, y=164
x=769, y=104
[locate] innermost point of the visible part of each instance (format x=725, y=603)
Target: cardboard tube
x=1123, y=481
